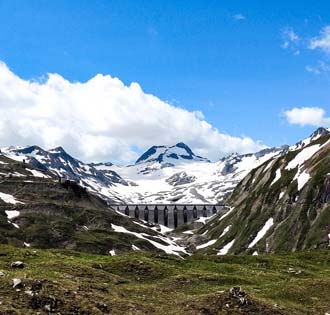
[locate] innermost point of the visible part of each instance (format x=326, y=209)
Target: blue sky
x=236, y=61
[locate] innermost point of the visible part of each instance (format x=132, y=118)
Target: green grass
x=145, y=283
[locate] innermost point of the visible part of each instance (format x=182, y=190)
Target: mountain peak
x=170, y=154
x=319, y=132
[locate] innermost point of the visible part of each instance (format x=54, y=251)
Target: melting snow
x=225, y=231
x=135, y=248
x=188, y=232
x=226, y=248
x=302, y=179
x=171, y=248
x=11, y=214
x=211, y=242
x=205, y=219
x=302, y=156
x=262, y=232
x=277, y=177
x=164, y=229
x=36, y=173
x=9, y=198
x=226, y=214
x=112, y=252
x=14, y=224
x=268, y=166
x=255, y=253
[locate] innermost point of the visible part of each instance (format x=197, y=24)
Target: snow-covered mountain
x=162, y=174
x=170, y=156
x=57, y=161
x=159, y=177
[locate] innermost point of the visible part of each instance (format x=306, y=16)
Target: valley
x=266, y=251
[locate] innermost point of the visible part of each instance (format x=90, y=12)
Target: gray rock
x=17, y=283
x=17, y=265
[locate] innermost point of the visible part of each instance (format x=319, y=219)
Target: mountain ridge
x=282, y=205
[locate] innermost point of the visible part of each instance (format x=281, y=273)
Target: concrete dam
x=170, y=215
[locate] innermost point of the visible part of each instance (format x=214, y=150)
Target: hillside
x=281, y=206
x=39, y=211
x=65, y=282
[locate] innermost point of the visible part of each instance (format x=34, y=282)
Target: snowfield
x=148, y=182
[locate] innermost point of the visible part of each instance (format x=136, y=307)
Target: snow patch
x=277, y=177
x=226, y=214
x=112, y=252
x=171, y=248
x=14, y=224
x=302, y=179
x=11, y=214
x=210, y=243
x=135, y=248
x=9, y=199
x=303, y=156
x=188, y=232
x=226, y=248
x=225, y=231
x=36, y=173
x=262, y=232
x=205, y=219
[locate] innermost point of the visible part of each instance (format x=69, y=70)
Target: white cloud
x=321, y=67
x=239, y=17
x=304, y=116
x=322, y=42
x=290, y=38
x=102, y=119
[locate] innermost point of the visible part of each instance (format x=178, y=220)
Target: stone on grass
x=17, y=264
x=17, y=283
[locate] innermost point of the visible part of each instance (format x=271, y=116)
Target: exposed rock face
x=180, y=179
x=282, y=205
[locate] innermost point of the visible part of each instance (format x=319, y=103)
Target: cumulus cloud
x=307, y=116
x=102, y=119
x=322, y=42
